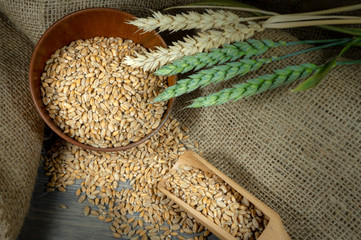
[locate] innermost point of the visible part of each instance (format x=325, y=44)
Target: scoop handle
x=275, y=230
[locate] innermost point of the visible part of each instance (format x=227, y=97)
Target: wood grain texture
x=47, y=221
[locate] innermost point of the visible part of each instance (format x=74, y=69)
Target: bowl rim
x=52, y=124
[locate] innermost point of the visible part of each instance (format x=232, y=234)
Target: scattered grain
x=63, y=206
x=117, y=235
x=142, y=168
x=87, y=210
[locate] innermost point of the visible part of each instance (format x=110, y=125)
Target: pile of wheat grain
x=140, y=210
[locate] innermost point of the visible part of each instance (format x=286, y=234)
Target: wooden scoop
x=274, y=229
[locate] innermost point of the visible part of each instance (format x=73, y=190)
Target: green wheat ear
x=213, y=75
x=256, y=85
x=230, y=52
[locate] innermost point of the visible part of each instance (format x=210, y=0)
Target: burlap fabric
x=20, y=131
x=298, y=153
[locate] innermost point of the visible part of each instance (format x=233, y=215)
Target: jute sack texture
x=298, y=153
x=21, y=131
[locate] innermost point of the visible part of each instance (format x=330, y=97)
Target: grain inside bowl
x=218, y=201
x=96, y=99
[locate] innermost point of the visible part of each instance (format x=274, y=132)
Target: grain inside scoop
x=274, y=228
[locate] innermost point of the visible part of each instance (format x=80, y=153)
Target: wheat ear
x=212, y=75
x=228, y=52
x=190, y=20
x=256, y=85
x=192, y=45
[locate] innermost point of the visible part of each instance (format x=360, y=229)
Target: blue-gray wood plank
x=47, y=221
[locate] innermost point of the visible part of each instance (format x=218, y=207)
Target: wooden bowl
x=87, y=24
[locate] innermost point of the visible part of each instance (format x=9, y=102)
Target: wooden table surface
x=47, y=221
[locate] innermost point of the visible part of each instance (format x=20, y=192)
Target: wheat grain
x=190, y=20
x=87, y=210
x=202, y=42
x=63, y=206
x=117, y=235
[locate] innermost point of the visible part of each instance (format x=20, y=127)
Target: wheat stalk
x=191, y=45
x=212, y=75
x=229, y=52
x=256, y=85
x=231, y=69
x=190, y=20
